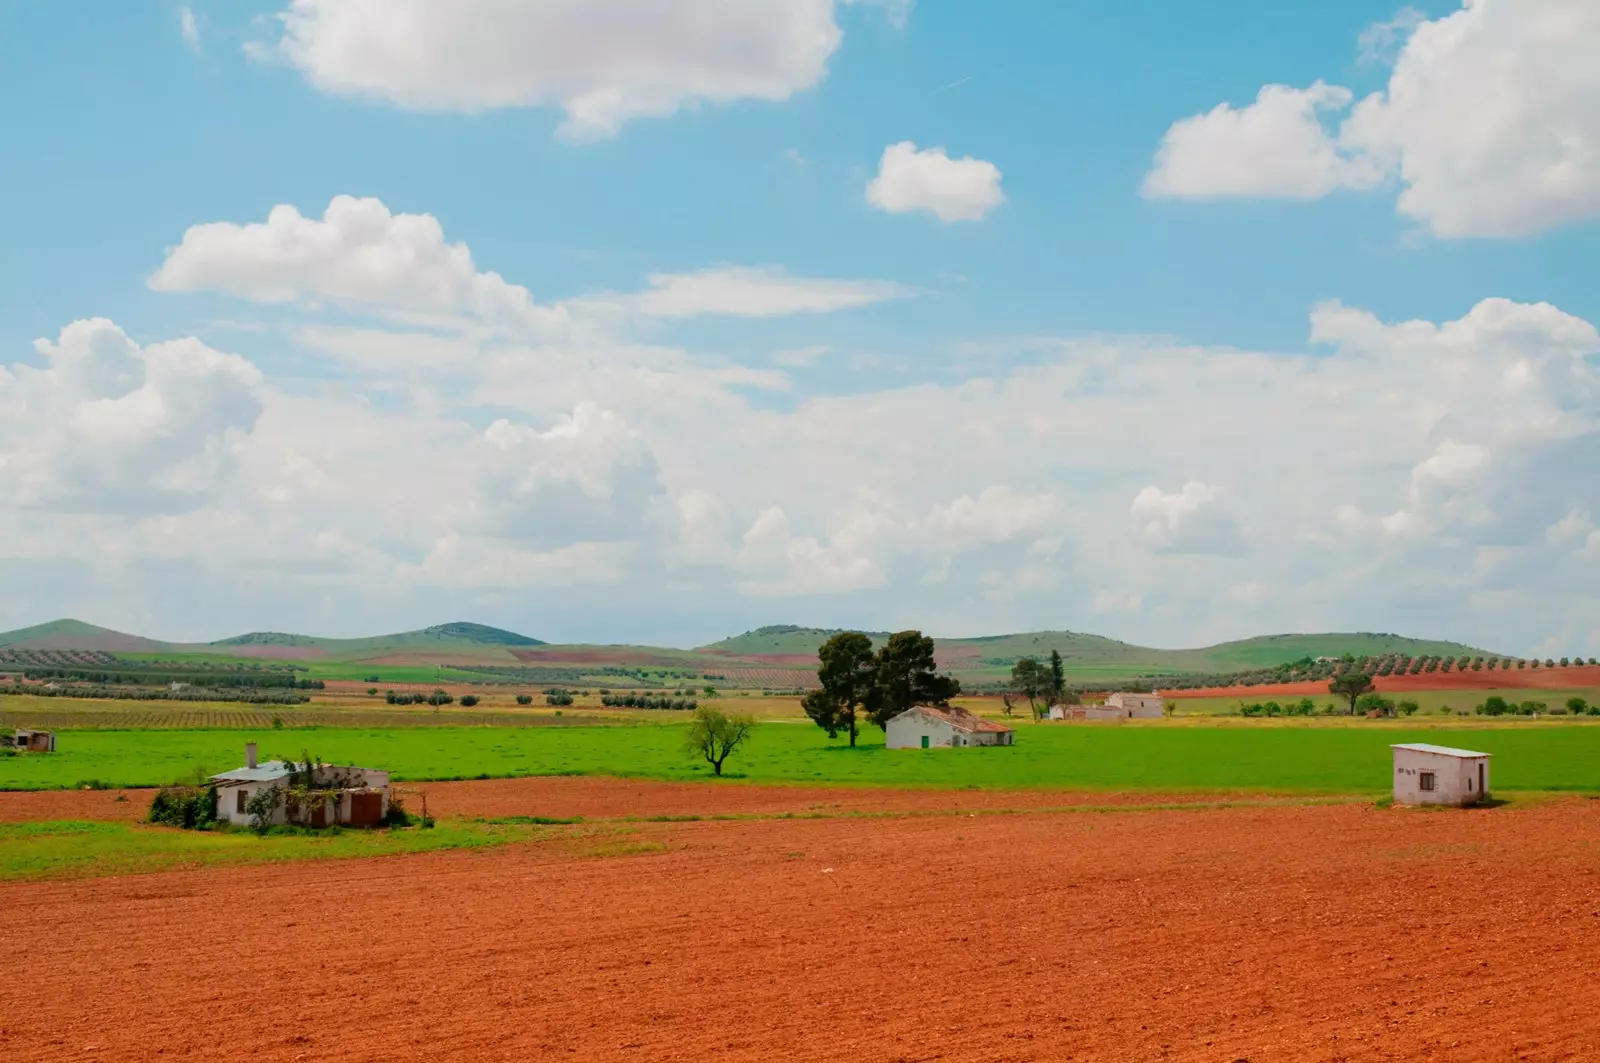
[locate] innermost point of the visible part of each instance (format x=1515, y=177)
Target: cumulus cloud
x=358, y=253
x=588, y=478
x=735, y=291
x=603, y=62
x=951, y=190
x=1490, y=121
x=1186, y=521
x=108, y=426
x=1276, y=146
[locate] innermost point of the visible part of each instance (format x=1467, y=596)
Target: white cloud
x=1113, y=601
x=777, y=562
x=190, y=28
x=1276, y=146
x=736, y=291
x=1187, y=521
x=358, y=253
x=1490, y=121
x=952, y=190
x=604, y=62
x=108, y=426
x=1492, y=118
x=588, y=478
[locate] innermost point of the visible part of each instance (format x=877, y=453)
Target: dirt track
x=1287, y=933
x=604, y=798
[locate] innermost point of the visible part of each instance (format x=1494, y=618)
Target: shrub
x=189, y=807
x=1494, y=705
x=468, y=700
x=372, y=690
x=1407, y=707
x=557, y=697
x=439, y=697
x=524, y=699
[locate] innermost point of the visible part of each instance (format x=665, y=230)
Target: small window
x=1425, y=781
x=239, y=800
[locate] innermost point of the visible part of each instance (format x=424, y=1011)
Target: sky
x=653, y=321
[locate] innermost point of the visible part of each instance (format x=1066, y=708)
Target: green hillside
x=456, y=636
x=1095, y=656
x=76, y=635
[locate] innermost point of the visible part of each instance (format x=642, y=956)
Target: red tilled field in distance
x=1498, y=679
x=1309, y=934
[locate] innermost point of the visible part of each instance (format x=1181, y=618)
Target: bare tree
x=714, y=734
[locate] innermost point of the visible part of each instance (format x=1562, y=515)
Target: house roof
x=1443, y=751
x=264, y=772
x=961, y=719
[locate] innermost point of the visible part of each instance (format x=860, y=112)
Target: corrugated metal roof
x=1446, y=751
x=265, y=772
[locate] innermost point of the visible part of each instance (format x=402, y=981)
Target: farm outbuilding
x=354, y=797
x=33, y=741
x=1135, y=706
x=929, y=727
x=1439, y=775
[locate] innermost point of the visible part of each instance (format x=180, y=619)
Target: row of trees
x=859, y=683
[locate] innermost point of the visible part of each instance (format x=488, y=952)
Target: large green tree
x=1033, y=681
x=906, y=675
x=1350, y=686
x=848, y=673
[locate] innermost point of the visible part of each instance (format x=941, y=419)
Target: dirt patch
x=593, y=798
x=1304, y=934
x=35, y=806
x=1515, y=679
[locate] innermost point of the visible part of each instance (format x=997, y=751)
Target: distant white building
x=1135, y=706
x=1120, y=706
x=929, y=727
x=357, y=797
x=1439, y=775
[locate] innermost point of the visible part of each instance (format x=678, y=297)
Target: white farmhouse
x=1439, y=775
x=357, y=797
x=1135, y=706
x=928, y=727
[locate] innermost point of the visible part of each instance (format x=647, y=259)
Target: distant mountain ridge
x=784, y=653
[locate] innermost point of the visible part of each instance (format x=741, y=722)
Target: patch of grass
x=72, y=849
x=1239, y=755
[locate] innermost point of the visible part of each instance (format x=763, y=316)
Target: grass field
x=71, y=848
x=1302, y=757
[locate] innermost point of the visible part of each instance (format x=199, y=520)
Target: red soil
x=1304, y=933
x=565, y=797
x=1515, y=679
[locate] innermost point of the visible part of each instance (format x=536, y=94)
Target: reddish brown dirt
x=1299, y=934
x=566, y=797
x=33, y=806
x=1515, y=679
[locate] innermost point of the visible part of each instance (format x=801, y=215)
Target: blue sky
x=1116, y=236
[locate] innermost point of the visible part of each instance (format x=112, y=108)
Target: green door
x=924, y=741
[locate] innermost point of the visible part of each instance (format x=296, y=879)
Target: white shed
x=928, y=727
x=356, y=796
x=1439, y=775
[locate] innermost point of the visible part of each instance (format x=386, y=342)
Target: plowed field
x=1299, y=933
x=1498, y=679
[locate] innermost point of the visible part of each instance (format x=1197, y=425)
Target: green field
x=1304, y=757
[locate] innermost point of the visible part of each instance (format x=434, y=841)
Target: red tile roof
x=961, y=719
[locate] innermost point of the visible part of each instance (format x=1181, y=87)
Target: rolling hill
x=781, y=655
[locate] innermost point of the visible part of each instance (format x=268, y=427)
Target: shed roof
x=264, y=772
x=961, y=719
x=1443, y=751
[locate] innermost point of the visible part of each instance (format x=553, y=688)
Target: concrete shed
x=33, y=741
x=1439, y=775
